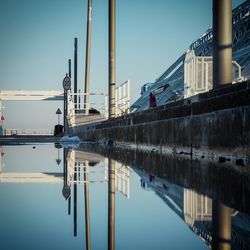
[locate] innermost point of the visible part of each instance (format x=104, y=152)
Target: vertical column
x=112, y=57
x=87, y=63
x=111, y=204
x=86, y=199
x=221, y=226
x=75, y=72
x=222, y=42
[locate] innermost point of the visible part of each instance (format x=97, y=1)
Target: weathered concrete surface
x=211, y=125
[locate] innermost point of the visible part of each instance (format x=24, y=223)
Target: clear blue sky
x=37, y=39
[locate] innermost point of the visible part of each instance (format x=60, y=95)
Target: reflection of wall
x=195, y=210
x=196, y=207
x=122, y=177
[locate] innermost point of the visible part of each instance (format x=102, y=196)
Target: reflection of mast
x=69, y=205
x=86, y=197
x=75, y=201
x=221, y=225
x=111, y=205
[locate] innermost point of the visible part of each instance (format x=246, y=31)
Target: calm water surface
x=55, y=198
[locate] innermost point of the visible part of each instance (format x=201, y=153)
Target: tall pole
x=111, y=204
x=75, y=73
x=112, y=57
x=70, y=68
x=222, y=42
x=87, y=63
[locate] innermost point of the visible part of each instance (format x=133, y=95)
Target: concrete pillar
x=222, y=42
x=221, y=226
x=112, y=58
x=87, y=63
x=111, y=205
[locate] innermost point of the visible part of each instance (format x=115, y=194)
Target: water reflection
x=76, y=166
x=87, y=212
x=1, y=157
x=222, y=229
x=206, y=216
x=111, y=204
x=209, y=219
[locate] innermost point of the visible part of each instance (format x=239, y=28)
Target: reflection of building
x=196, y=210
x=122, y=177
x=78, y=163
x=21, y=178
x=196, y=207
x=28, y=177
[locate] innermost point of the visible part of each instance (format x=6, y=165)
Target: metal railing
x=198, y=74
x=97, y=108
x=122, y=97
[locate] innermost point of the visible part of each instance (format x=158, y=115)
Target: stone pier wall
x=210, y=125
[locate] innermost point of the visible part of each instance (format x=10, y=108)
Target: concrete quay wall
x=210, y=125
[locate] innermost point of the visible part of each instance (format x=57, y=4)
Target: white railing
x=97, y=107
x=96, y=102
x=10, y=131
x=122, y=97
x=198, y=73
